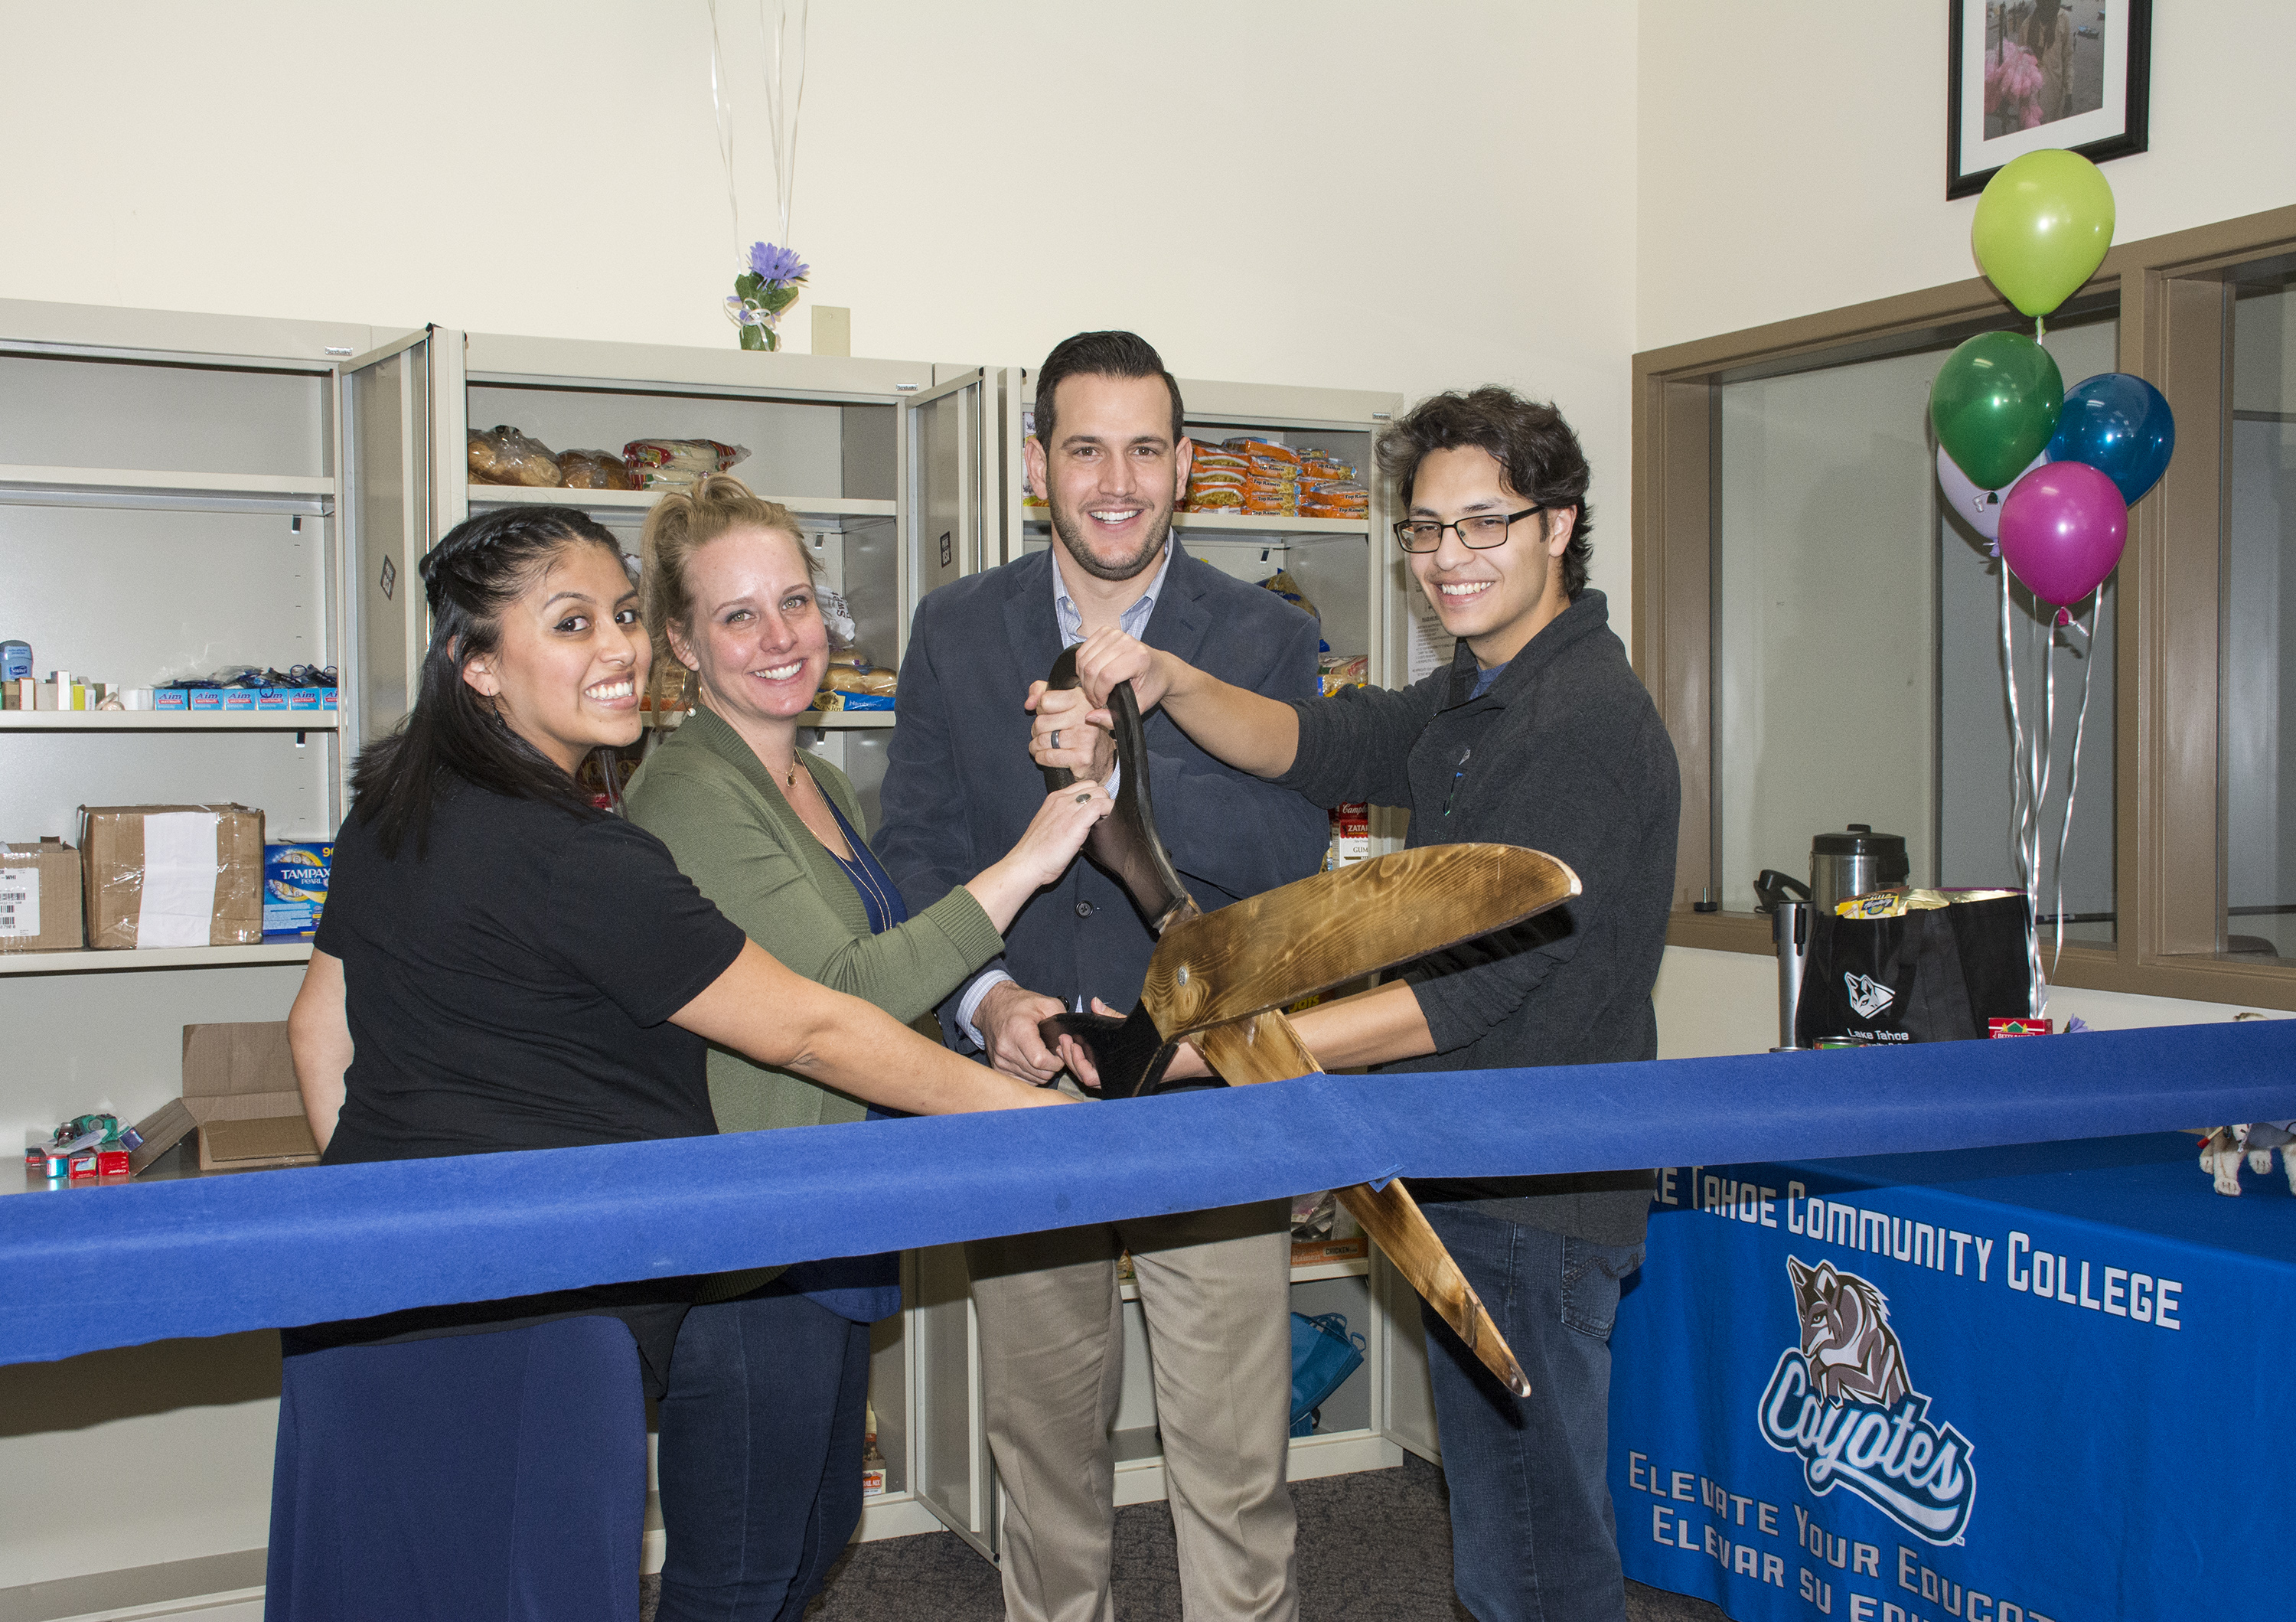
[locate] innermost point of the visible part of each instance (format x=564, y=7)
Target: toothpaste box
x=294, y=886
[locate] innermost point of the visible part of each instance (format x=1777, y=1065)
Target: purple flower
x=775, y=265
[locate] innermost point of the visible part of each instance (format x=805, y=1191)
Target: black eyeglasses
x=1482, y=530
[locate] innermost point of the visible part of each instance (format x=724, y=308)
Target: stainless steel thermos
x=1789, y=929
x=1853, y=862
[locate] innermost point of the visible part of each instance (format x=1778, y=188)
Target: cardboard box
x=201, y=886
x=240, y=1095
x=40, y=898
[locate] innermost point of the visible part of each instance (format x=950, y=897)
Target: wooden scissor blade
x=1267, y=1048
x=1124, y=844
x=1274, y=948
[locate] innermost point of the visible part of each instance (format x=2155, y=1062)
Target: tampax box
x=39, y=897
x=172, y=875
x=295, y=887
x=240, y=1095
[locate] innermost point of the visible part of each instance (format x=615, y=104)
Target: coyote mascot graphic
x=1846, y=1336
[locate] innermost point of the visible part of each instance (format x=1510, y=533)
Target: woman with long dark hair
x=502, y=966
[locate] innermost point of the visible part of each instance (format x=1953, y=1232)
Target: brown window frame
x=2175, y=296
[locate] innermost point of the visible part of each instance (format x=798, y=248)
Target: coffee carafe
x=1854, y=862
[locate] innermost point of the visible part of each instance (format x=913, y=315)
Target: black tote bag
x=1934, y=975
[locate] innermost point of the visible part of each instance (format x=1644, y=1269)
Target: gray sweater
x=1565, y=754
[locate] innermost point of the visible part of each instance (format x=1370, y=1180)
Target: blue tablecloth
x=2030, y=1384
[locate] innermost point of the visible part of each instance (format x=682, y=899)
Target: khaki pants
x=1214, y=1288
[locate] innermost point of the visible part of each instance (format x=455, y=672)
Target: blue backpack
x=1323, y=1355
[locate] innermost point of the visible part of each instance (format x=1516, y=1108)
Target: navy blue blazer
x=960, y=787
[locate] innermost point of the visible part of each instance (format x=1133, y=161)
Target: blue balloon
x=2120, y=426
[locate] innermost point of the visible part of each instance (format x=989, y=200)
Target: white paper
x=20, y=901
x=1428, y=644
x=177, y=907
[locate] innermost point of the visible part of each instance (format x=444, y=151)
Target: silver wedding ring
x=1056, y=737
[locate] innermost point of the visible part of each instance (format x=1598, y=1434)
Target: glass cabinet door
x=387, y=416
x=954, y=1478
x=943, y=435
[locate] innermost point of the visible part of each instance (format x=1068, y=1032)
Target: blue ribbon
x=218, y=1255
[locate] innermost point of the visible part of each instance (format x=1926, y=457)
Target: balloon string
x=2040, y=819
x=785, y=129
x=717, y=105
x=2072, y=781
x=2046, y=754
x=2019, y=782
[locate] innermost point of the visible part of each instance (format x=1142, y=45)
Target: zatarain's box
x=294, y=886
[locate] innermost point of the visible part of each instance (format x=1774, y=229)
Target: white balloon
x=1981, y=510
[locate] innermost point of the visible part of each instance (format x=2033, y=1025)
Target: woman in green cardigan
x=761, y=1430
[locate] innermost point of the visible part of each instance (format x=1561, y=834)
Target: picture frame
x=2088, y=86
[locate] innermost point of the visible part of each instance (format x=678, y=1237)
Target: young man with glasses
x=1539, y=734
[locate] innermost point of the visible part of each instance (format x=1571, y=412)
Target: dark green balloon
x=1995, y=406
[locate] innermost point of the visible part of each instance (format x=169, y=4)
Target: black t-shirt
x=510, y=988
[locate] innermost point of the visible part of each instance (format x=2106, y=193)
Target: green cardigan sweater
x=704, y=793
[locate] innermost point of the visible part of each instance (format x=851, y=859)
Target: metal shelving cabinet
x=171, y=500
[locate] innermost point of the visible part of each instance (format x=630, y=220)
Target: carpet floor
x=1374, y=1547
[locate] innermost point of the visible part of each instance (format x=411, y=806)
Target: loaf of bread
x=501, y=454
x=593, y=471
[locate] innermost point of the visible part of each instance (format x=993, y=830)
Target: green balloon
x=2042, y=228
x=1995, y=406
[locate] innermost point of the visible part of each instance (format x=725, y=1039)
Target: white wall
x=1793, y=154
x=1352, y=194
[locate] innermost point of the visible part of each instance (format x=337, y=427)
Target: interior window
x=1858, y=645
x=2258, y=677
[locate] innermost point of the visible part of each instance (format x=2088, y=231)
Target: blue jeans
x=1533, y=1538
x=760, y=1458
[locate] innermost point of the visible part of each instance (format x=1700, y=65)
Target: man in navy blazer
x=1110, y=458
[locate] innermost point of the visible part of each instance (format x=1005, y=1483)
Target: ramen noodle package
x=1264, y=450
x=501, y=454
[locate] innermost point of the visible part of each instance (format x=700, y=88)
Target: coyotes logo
x=1843, y=1402
x=1846, y=1338
x=1868, y=995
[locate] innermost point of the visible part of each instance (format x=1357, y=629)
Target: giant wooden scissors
x=1222, y=980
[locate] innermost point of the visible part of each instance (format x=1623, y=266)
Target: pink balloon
x=2062, y=529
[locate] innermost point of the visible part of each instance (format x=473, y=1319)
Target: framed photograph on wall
x=2028, y=74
